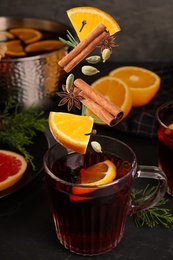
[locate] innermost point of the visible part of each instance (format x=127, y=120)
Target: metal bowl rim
x=40, y=56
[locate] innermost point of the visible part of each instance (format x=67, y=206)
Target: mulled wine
x=93, y=222
x=165, y=138
x=48, y=46
x=90, y=220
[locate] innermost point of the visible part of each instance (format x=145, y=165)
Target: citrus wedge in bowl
x=72, y=131
x=143, y=83
x=46, y=45
x=5, y=36
x=27, y=35
x=12, y=168
x=15, y=48
x=85, y=19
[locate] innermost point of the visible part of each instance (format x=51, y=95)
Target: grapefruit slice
x=12, y=168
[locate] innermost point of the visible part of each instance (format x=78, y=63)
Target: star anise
x=71, y=97
x=107, y=43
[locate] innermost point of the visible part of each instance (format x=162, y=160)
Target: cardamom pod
x=96, y=147
x=89, y=70
x=93, y=59
x=69, y=82
x=106, y=53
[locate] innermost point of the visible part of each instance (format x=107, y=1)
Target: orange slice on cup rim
x=12, y=168
x=27, y=35
x=95, y=175
x=91, y=16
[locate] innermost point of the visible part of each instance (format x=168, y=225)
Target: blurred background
x=146, y=26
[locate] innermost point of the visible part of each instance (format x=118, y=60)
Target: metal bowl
x=32, y=80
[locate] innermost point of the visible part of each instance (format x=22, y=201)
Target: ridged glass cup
x=164, y=115
x=91, y=220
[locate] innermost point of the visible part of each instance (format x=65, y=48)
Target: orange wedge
x=27, y=35
x=97, y=174
x=14, y=48
x=114, y=90
x=5, y=36
x=144, y=84
x=71, y=130
x=170, y=126
x=47, y=45
x=169, y=130
x=12, y=168
x=92, y=17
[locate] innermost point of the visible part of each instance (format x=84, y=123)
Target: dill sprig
x=156, y=215
x=17, y=129
x=71, y=40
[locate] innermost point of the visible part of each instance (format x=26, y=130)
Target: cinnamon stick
x=102, y=113
x=87, y=45
x=83, y=53
x=97, y=97
x=98, y=104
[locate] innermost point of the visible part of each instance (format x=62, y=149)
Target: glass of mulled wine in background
x=90, y=220
x=164, y=116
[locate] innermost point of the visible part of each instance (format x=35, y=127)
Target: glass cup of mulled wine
x=92, y=221
x=164, y=115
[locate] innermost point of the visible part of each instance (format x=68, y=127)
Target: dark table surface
x=27, y=229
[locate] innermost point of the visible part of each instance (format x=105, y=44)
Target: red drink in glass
x=87, y=222
x=165, y=139
x=92, y=221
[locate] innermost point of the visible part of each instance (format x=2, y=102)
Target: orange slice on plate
x=143, y=83
x=97, y=174
x=91, y=16
x=47, y=45
x=5, y=36
x=12, y=168
x=14, y=48
x=71, y=130
x=27, y=35
x=114, y=90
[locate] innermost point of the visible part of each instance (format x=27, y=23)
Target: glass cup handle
x=156, y=195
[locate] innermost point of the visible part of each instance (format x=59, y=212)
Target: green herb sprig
x=17, y=129
x=156, y=215
x=71, y=40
